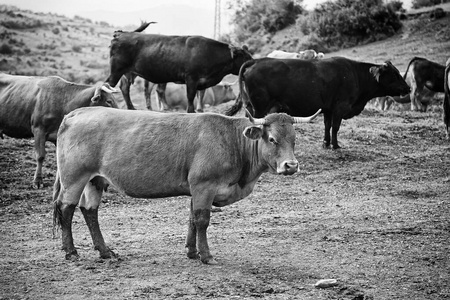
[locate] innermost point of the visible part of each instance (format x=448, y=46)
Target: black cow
x=197, y=61
x=340, y=86
x=422, y=73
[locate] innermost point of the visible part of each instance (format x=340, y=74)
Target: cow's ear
x=375, y=71
x=253, y=132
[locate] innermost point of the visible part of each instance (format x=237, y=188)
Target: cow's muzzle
x=288, y=167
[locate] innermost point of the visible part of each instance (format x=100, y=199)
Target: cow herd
x=216, y=159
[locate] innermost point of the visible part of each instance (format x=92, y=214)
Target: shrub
x=423, y=3
x=6, y=49
x=55, y=30
x=264, y=16
x=76, y=48
x=347, y=23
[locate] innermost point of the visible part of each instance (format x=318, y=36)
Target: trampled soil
x=374, y=215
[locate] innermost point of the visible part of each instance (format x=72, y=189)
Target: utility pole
x=217, y=20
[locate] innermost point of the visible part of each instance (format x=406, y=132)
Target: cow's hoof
x=108, y=254
x=73, y=256
x=193, y=254
x=336, y=147
x=210, y=261
x=325, y=145
x=37, y=183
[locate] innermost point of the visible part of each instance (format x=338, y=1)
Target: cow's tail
x=143, y=26
x=447, y=101
x=243, y=98
x=56, y=208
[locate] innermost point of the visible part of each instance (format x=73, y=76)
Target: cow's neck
x=80, y=99
x=253, y=164
x=368, y=86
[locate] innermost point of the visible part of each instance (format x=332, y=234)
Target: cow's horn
x=307, y=119
x=255, y=121
x=107, y=88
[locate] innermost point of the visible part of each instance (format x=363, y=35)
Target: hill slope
x=48, y=44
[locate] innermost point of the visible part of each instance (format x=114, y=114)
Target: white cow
x=306, y=54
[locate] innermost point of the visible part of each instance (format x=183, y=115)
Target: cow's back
x=161, y=58
x=313, y=83
x=18, y=97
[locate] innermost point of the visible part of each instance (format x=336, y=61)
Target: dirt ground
x=374, y=215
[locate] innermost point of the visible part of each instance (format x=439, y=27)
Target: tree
x=263, y=17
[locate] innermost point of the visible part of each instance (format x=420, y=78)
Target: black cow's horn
x=306, y=119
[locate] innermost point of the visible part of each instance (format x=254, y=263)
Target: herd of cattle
x=216, y=159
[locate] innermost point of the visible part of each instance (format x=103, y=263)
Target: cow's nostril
x=289, y=167
x=291, y=164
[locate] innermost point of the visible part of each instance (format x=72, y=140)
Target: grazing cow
x=306, y=54
x=197, y=61
x=213, y=158
x=422, y=73
x=339, y=86
x=215, y=95
x=447, y=98
x=35, y=106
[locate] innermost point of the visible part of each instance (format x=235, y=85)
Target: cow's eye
x=273, y=141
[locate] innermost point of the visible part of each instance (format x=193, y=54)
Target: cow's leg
x=191, y=239
x=124, y=85
x=327, y=138
x=90, y=201
x=335, y=125
x=200, y=98
x=416, y=96
x=191, y=91
x=201, y=220
x=65, y=220
x=66, y=200
x=39, y=146
x=201, y=211
x=148, y=88
x=161, y=96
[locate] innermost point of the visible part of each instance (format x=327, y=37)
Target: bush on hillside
x=423, y=3
x=25, y=23
x=345, y=23
x=76, y=49
x=6, y=49
x=262, y=17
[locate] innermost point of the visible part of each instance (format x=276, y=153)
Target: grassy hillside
x=420, y=36
x=49, y=44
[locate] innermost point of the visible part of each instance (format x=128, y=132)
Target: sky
x=198, y=19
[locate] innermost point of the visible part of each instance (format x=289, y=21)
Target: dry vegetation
x=45, y=44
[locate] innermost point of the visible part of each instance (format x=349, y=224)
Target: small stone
x=325, y=283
